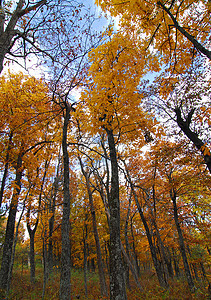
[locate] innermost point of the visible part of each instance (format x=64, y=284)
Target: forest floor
x=22, y=289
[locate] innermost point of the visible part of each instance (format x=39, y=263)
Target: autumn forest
x=105, y=162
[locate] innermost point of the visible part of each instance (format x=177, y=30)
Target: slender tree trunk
x=156, y=262
x=169, y=263
x=33, y=231
x=133, y=246
x=85, y=258
x=14, y=245
x=103, y=286
x=181, y=241
x=31, y=250
x=45, y=271
x=32, y=260
x=163, y=256
x=132, y=269
x=176, y=264
x=9, y=236
x=127, y=245
x=5, y=169
x=107, y=258
x=51, y=221
x=65, y=229
x=117, y=283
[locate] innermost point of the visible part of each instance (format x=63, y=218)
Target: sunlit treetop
x=177, y=29
x=25, y=111
x=112, y=94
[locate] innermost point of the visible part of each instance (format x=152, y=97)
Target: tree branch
x=197, y=45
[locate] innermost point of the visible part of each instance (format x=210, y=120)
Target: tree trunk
x=85, y=257
x=181, y=241
x=5, y=168
x=133, y=246
x=51, y=221
x=127, y=246
x=176, y=264
x=33, y=231
x=14, y=245
x=45, y=268
x=103, y=286
x=65, y=228
x=156, y=262
x=117, y=283
x=31, y=257
x=9, y=236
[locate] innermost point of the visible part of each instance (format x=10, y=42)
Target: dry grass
x=22, y=289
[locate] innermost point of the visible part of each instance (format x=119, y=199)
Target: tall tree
x=25, y=105
x=113, y=102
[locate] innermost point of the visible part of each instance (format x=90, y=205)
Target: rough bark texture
x=64, y=291
x=117, y=283
x=181, y=242
x=9, y=236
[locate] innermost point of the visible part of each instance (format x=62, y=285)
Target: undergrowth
x=22, y=289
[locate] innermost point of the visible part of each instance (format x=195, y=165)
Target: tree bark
x=51, y=221
x=5, y=168
x=127, y=245
x=117, y=283
x=181, y=241
x=9, y=236
x=85, y=256
x=103, y=286
x=159, y=272
x=64, y=291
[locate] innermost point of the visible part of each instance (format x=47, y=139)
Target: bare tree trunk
x=103, y=286
x=33, y=231
x=45, y=271
x=156, y=262
x=181, y=241
x=9, y=236
x=133, y=246
x=64, y=291
x=117, y=283
x=85, y=257
x=14, y=245
x=5, y=168
x=51, y=221
x=127, y=245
